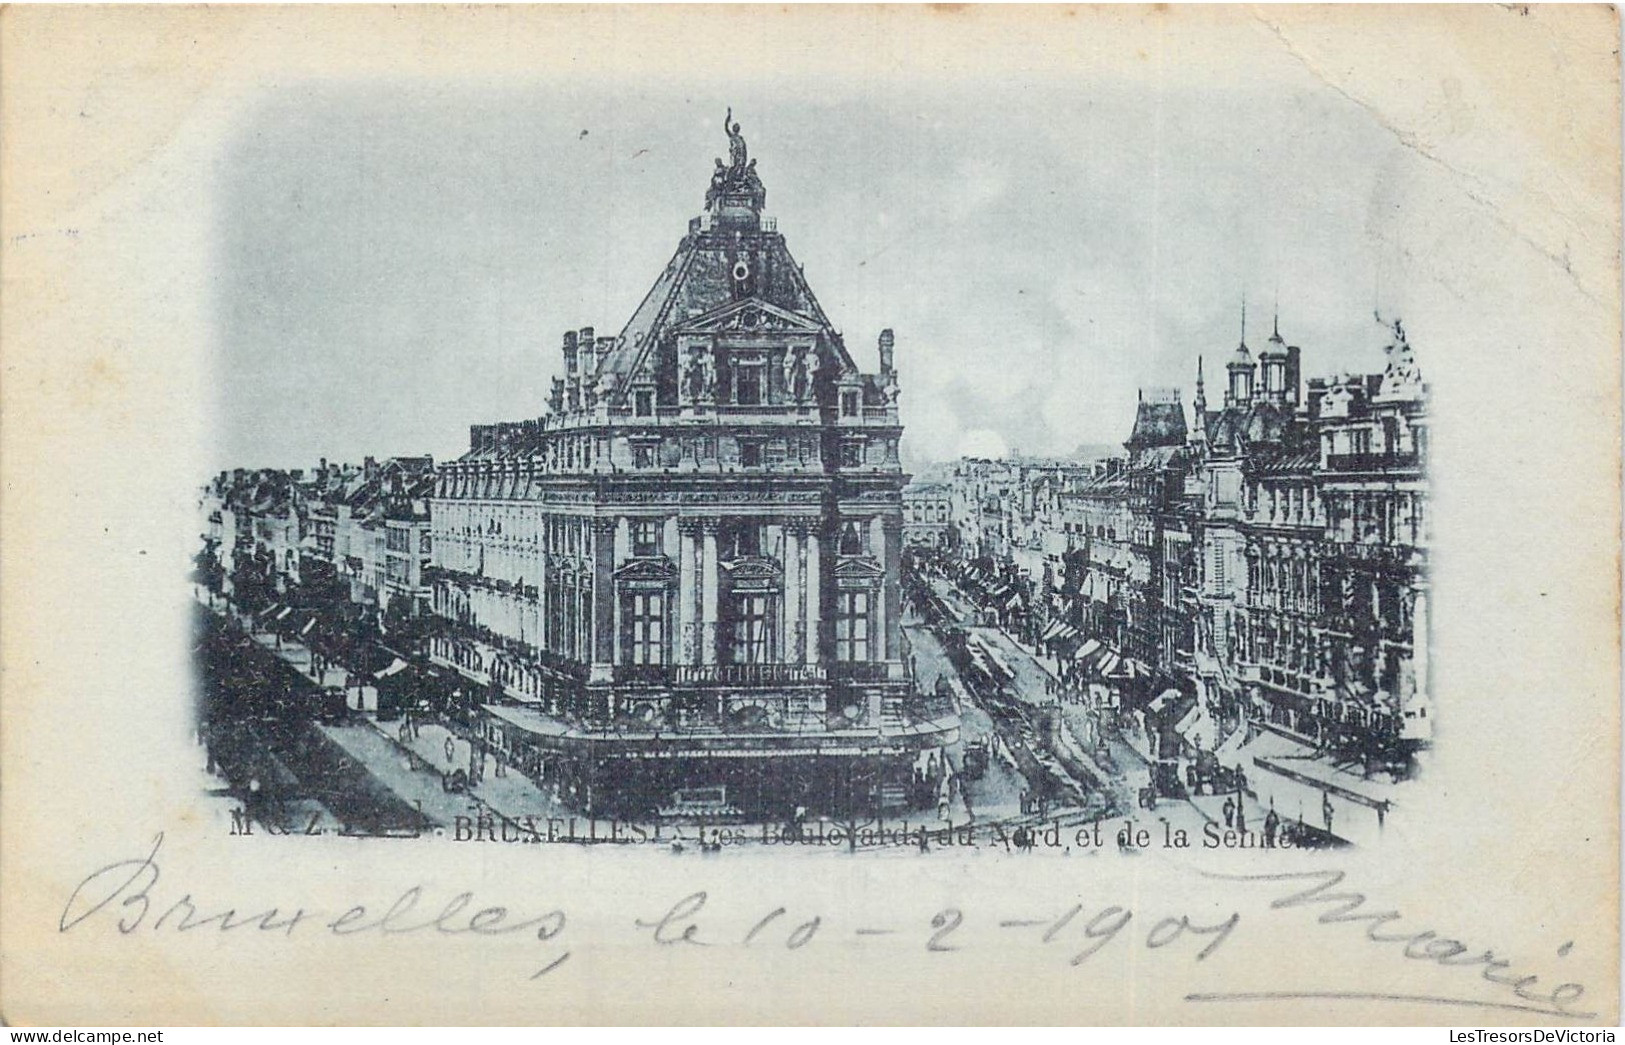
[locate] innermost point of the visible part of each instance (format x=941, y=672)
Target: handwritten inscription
x=124, y=891
x=683, y=923
x=125, y=896
x=1421, y=945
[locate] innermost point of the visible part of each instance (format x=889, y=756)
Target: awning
x=1165, y=698
x=1273, y=745
x=395, y=666
x=1088, y=649
x=272, y=609
x=1060, y=634
x=285, y=611
x=1108, y=662
x=1229, y=753
x=311, y=623
x=1053, y=630
x=1197, y=726
x=1013, y=601
x=1124, y=669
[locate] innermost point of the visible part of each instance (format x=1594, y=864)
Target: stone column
x=1419, y=645
x=688, y=617
x=603, y=591
x=811, y=582
x=891, y=593
x=792, y=615
x=708, y=593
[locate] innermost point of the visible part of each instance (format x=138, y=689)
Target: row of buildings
x=1257, y=564
x=681, y=583
x=353, y=534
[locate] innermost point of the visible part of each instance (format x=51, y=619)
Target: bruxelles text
x=1052, y=835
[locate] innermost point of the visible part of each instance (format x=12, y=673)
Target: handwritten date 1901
x=682, y=924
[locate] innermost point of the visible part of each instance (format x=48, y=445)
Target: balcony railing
x=1370, y=462
x=719, y=674
x=858, y=671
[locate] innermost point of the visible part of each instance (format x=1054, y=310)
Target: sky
x=395, y=260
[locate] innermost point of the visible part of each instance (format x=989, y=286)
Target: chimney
x=569, y=351
x=1294, y=375
x=369, y=468
x=603, y=345
x=887, y=352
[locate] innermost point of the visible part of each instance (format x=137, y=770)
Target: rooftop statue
x=738, y=175
x=736, y=142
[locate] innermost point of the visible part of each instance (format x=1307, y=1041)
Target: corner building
x=680, y=586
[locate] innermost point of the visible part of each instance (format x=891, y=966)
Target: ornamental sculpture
x=699, y=377
x=738, y=176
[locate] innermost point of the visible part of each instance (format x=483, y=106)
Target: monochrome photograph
x=893, y=515
x=700, y=586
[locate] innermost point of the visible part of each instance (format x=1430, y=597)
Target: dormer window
x=643, y=403
x=849, y=404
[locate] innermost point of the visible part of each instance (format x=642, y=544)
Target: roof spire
x=1244, y=319
x=1198, y=374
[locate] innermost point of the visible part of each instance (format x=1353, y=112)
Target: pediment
x=858, y=567
x=659, y=569
x=754, y=569
x=753, y=315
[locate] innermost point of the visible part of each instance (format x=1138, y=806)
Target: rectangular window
x=748, y=384
x=750, y=454
x=743, y=539
x=643, y=455
x=645, y=403
x=851, y=455
x=852, y=626
x=645, y=628
x=849, y=404
x=752, y=629
x=645, y=538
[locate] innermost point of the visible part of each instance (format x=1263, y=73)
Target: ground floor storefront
x=714, y=777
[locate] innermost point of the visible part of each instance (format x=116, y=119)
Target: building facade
x=926, y=511
x=1266, y=562
x=684, y=578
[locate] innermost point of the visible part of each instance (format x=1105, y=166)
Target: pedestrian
x=1326, y=810
x=1241, y=815
x=451, y=750
x=1229, y=812
x=1272, y=824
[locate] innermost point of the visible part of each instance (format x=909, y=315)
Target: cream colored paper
x=114, y=123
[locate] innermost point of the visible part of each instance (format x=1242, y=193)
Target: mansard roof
x=698, y=284
x=1259, y=422
x=730, y=256
x=1158, y=424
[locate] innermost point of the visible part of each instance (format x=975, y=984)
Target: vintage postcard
x=814, y=515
